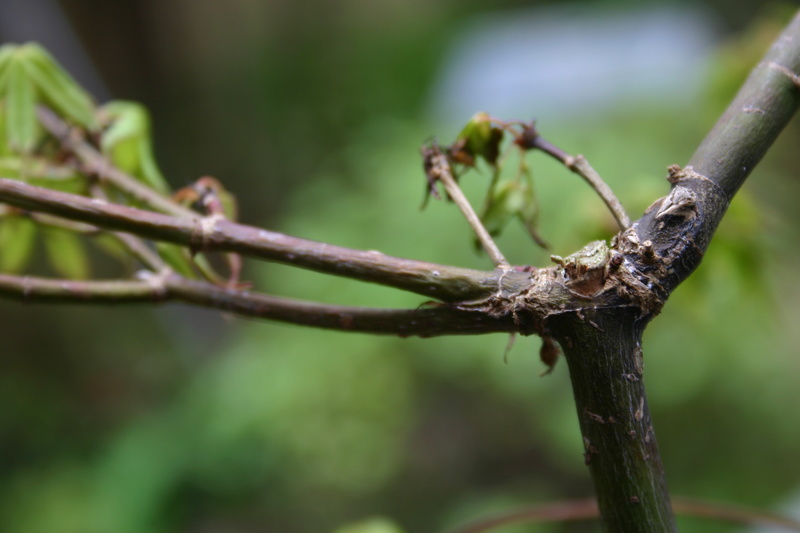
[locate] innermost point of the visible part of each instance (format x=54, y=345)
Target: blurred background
x=173, y=419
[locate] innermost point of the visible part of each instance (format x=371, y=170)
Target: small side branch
x=437, y=168
x=580, y=166
x=167, y=286
x=95, y=163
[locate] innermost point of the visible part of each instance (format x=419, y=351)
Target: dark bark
x=604, y=353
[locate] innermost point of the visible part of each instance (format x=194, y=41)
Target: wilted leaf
x=17, y=236
x=66, y=253
x=548, y=353
x=479, y=138
x=503, y=202
x=528, y=213
x=207, y=195
x=508, y=200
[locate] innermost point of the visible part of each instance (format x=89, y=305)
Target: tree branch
x=604, y=354
x=437, y=167
x=580, y=166
x=652, y=257
x=95, y=163
x=214, y=234
x=596, y=303
x=762, y=108
x=164, y=287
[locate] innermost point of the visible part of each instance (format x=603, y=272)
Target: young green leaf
x=6, y=53
x=66, y=253
x=479, y=138
x=5, y=149
x=504, y=202
x=127, y=142
x=17, y=236
x=20, y=106
x=57, y=88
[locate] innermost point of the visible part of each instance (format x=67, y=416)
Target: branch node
x=157, y=281
x=27, y=287
x=795, y=79
x=202, y=231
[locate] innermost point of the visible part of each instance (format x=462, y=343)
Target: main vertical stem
x=603, y=351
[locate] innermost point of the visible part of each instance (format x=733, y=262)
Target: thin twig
x=438, y=168
x=580, y=166
x=168, y=286
x=94, y=162
x=134, y=244
x=212, y=234
x=578, y=510
x=140, y=251
x=62, y=223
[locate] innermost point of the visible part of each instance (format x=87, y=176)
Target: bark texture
x=595, y=303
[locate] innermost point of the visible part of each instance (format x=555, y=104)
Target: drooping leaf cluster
x=507, y=197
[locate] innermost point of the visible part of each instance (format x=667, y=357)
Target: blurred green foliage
x=176, y=420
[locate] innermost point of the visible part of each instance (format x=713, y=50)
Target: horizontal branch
x=210, y=234
x=424, y=322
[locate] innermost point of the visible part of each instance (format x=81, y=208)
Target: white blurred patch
x=568, y=60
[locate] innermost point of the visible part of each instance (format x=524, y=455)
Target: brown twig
x=577, y=510
x=140, y=251
x=95, y=163
x=580, y=166
x=438, y=169
x=213, y=234
x=167, y=286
